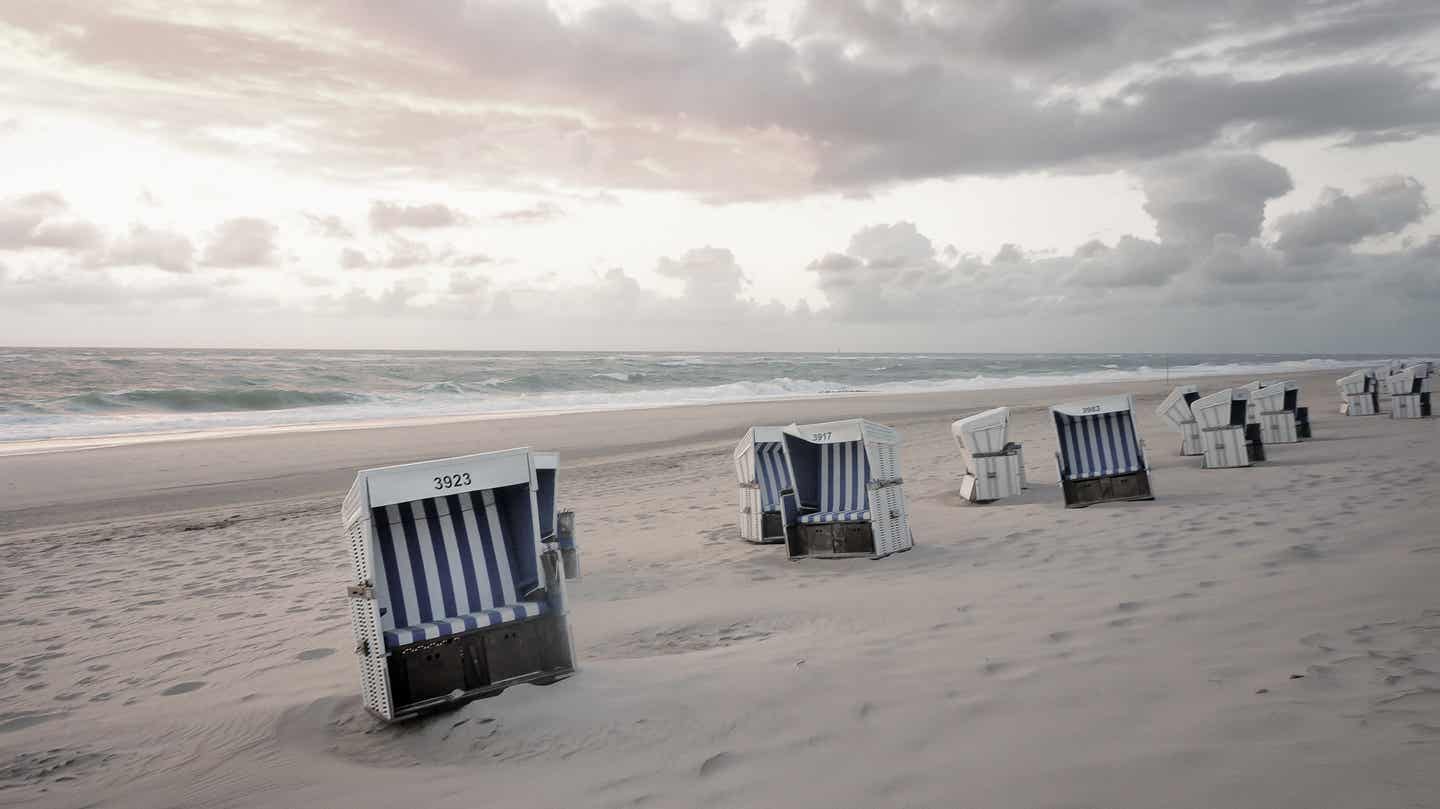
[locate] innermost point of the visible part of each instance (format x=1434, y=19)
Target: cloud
x=389, y=216
x=540, y=212
x=710, y=274
x=1388, y=206
x=147, y=247
x=1197, y=197
x=1209, y=211
x=859, y=93
x=329, y=226
x=44, y=220
x=243, y=242
x=403, y=254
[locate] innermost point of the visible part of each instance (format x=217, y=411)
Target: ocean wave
x=188, y=400
x=560, y=386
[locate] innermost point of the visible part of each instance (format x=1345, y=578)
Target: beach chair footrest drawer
x=469, y=664
x=1080, y=493
x=835, y=539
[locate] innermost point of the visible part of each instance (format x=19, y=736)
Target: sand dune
x=1257, y=637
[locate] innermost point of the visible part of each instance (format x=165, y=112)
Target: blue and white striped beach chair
x=455, y=594
x=1101, y=456
x=847, y=497
x=762, y=474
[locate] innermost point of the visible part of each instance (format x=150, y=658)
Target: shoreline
x=70, y=443
x=81, y=484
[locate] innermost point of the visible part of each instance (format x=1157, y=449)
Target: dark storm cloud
x=1387, y=206
x=480, y=89
x=1195, y=198
x=1209, y=211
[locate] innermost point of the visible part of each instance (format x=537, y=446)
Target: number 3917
x=443, y=482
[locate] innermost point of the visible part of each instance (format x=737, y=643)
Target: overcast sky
x=975, y=175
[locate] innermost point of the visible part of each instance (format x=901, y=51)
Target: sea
x=67, y=393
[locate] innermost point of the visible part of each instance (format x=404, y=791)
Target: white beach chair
x=1359, y=393
x=1409, y=394
x=1229, y=442
x=994, y=465
x=762, y=473
x=1282, y=419
x=453, y=596
x=1101, y=456
x=1176, y=410
x=847, y=497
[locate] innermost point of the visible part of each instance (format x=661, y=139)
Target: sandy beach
x=175, y=630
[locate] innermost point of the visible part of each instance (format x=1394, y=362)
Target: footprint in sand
x=717, y=763
x=315, y=654
x=183, y=688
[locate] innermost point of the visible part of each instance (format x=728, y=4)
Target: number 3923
x=443, y=482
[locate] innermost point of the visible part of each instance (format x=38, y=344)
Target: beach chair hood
x=985, y=432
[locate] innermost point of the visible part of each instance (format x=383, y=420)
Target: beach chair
x=762, y=473
x=1282, y=420
x=1101, y=457
x=1409, y=394
x=846, y=497
x=1252, y=413
x=557, y=525
x=1359, y=393
x=994, y=465
x=1229, y=442
x=453, y=596
x=1176, y=410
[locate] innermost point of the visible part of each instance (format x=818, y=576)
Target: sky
x=921, y=175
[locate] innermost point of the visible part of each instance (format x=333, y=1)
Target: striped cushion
x=771, y=473
x=1098, y=446
x=448, y=557
x=454, y=626
x=861, y=515
x=844, y=473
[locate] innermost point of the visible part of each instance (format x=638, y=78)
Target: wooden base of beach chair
x=772, y=529
x=447, y=671
x=1082, y=493
x=832, y=540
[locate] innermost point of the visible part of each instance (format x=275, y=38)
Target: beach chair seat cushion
x=395, y=638
x=823, y=517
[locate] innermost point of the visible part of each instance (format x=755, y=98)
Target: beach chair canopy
x=1277, y=397
x=831, y=470
x=772, y=475
x=1225, y=408
x=1357, y=383
x=1176, y=407
x=457, y=544
x=1098, y=438
x=1422, y=369
x=1403, y=382
x=985, y=432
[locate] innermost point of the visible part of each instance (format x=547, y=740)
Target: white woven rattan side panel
x=749, y=515
x=1405, y=406
x=1225, y=448
x=1190, y=439
x=1278, y=428
x=365, y=624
